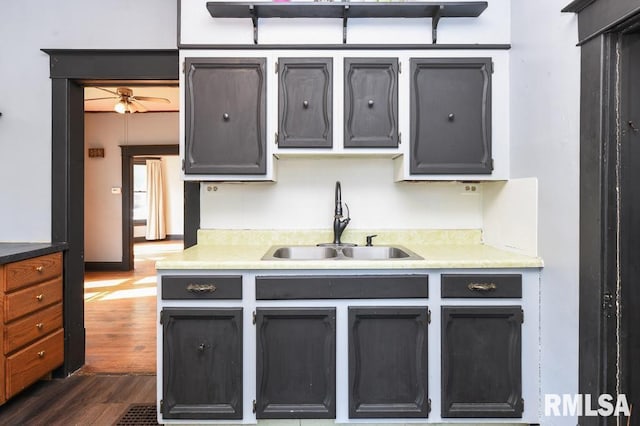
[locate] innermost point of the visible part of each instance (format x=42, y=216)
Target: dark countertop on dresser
x=13, y=252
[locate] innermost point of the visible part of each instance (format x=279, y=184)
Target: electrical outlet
x=470, y=188
x=116, y=190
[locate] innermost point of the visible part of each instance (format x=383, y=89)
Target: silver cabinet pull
x=481, y=286
x=201, y=288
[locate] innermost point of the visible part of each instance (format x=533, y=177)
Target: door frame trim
x=128, y=154
x=69, y=68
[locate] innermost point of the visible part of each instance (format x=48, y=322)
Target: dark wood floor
x=78, y=400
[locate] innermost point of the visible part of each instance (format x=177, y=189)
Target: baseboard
x=104, y=266
x=169, y=237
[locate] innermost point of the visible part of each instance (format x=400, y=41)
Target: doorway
x=69, y=68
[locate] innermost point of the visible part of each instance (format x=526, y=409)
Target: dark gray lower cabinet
x=481, y=361
x=450, y=116
x=202, y=363
x=296, y=363
x=388, y=362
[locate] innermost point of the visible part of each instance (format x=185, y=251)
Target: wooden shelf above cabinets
x=346, y=10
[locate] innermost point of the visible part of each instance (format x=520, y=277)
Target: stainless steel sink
x=378, y=253
x=301, y=253
x=339, y=253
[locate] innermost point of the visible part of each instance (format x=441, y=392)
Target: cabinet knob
x=370, y=103
x=451, y=117
x=41, y=354
x=40, y=297
x=225, y=116
x=305, y=104
x=39, y=326
x=201, y=347
x=39, y=268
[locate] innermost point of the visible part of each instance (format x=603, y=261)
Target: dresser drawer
x=31, y=299
x=202, y=287
x=25, y=330
x=33, y=362
x=31, y=271
x=481, y=286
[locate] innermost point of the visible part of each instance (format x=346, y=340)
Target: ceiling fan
x=127, y=102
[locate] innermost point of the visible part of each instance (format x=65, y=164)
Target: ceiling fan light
x=121, y=107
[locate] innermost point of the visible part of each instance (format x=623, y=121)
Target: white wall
x=25, y=89
x=103, y=210
x=545, y=92
x=303, y=198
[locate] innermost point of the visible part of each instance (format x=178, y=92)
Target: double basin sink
x=339, y=252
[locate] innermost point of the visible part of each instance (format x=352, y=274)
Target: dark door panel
x=370, y=102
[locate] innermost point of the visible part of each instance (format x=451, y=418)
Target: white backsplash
x=303, y=198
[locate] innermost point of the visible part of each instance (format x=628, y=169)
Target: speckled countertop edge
x=243, y=249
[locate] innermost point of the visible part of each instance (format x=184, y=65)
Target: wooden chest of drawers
x=32, y=339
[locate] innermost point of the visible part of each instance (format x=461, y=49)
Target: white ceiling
x=106, y=105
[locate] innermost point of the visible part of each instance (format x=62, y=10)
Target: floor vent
x=139, y=415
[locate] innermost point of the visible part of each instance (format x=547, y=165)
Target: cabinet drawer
x=31, y=271
x=481, y=286
x=30, y=299
x=202, y=287
x=32, y=327
x=342, y=287
x=33, y=362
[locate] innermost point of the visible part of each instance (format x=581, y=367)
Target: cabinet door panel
x=388, y=362
x=370, y=102
x=296, y=363
x=481, y=361
x=225, y=116
x=202, y=363
x=305, y=103
x=451, y=116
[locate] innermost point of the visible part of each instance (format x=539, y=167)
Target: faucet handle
x=370, y=239
x=347, y=207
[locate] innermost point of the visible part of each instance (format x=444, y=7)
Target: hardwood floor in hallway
x=120, y=314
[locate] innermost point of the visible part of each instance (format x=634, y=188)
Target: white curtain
x=156, y=227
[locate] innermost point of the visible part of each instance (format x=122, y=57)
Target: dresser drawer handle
x=39, y=268
x=481, y=286
x=39, y=326
x=201, y=288
x=41, y=354
x=40, y=297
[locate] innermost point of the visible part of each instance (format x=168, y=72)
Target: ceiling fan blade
x=107, y=90
x=137, y=105
x=100, y=99
x=151, y=99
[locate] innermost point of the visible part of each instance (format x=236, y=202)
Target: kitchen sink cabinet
x=305, y=100
x=225, y=116
x=450, y=116
x=296, y=363
x=202, y=363
x=482, y=361
x=370, y=102
x=388, y=362
x=482, y=346
x=346, y=346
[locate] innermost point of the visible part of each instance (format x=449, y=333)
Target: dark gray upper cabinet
x=450, y=116
x=388, y=362
x=225, y=116
x=371, y=102
x=305, y=102
x=296, y=363
x=202, y=363
x=481, y=361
